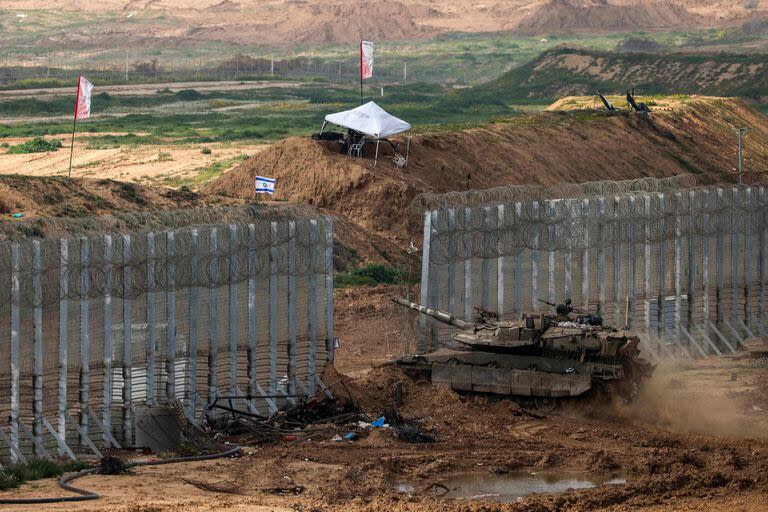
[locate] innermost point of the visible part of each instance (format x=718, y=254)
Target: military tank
x=540, y=360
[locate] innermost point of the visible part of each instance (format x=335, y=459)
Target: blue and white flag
x=265, y=185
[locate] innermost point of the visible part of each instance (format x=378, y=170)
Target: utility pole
x=741, y=132
x=405, y=72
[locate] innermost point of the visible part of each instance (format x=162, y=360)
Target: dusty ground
x=698, y=440
x=165, y=164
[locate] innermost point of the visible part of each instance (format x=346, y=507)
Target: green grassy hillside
x=566, y=71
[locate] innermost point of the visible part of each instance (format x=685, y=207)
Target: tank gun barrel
x=440, y=316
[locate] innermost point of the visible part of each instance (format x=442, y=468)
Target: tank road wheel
x=545, y=405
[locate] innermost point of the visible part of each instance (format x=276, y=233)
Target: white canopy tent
x=369, y=119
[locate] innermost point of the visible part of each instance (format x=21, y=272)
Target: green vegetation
x=370, y=275
x=535, y=82
x=204, y=174
x=36, y=145
x=14, y=475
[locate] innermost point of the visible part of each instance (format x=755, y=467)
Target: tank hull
x=514, y=375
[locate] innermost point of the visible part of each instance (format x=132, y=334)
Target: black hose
x=86, y=495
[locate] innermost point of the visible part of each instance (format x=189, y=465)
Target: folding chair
x=356, y=149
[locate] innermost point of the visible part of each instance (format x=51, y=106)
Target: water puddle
x=513, y=485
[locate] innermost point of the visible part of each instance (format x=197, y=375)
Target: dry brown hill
x=288, y=22
x=568, y=16
x=545, y=149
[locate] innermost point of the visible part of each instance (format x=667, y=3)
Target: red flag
x=83, y=101
x=366, y=59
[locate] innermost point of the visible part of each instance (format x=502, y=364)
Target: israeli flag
x=265, y=185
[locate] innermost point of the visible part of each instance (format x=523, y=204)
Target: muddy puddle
x=512, y=486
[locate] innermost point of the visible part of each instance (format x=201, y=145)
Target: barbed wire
x=510, y=194
x=256, y=243
x=634, y=217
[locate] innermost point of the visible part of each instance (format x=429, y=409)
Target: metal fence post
x=585, y=256
x=601, y=255
x=252, y=377
x=748, y=222
x=170, y=301
x=127, y=343
x=150, y=346
x=63, y=336
x=452, y=257
x=719, y=263
x=631, y=288
x=662, y=270
x=692, y=270
x=500, y=225
x=106, y=417
x=434, y=284
x=551, y=233
x=232, y=288
x=705, y=239
x=734, y=254
x=485, y=264
x=213, y=317
x=647, y=279
x=468, y=240
x=678, y=263
x=273, y=310
x=314, y=247
x=762, y=250
x=518, y=261
x=292, y=341
x=37, y=381
x=568, y=215
x=535, y=257
x=329, y=287
x=194, y=311
x=425, y=282
x=617, y=243
x=15, y=368
x=85, y=358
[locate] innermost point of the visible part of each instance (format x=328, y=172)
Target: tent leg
x=407, y=151
x=322, y=130
x=376, y=158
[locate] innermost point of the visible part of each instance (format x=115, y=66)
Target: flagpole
x=72, y=146
x=361, y=71
x=74, y=124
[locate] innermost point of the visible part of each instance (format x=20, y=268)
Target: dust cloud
x=707, y=400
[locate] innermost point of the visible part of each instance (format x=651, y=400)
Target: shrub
x=206, y=151
x=370, y=275
x=36, y=145
x=14, y=475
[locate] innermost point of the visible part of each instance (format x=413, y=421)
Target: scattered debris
x=223, y=486
x=113, y=466
x=284, y=491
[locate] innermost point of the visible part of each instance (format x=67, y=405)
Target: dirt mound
x=557, y=16
x=545, y=149
x=76, y=198
x=79, y=197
